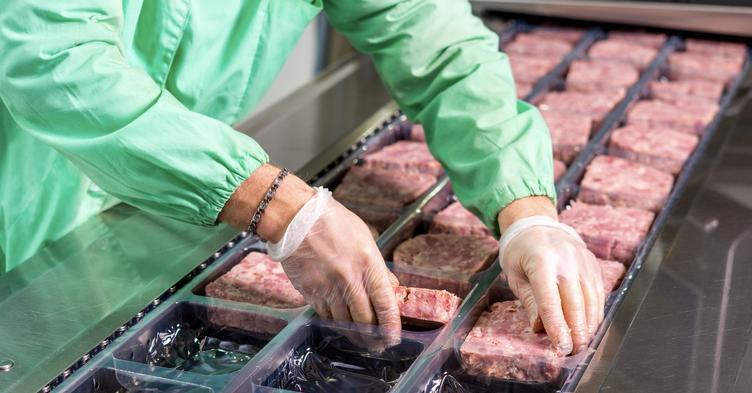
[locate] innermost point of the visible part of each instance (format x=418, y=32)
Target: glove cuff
x=526, y=223
x=300, y=225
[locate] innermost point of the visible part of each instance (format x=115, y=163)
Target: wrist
x=290, y=197
x=526, y=207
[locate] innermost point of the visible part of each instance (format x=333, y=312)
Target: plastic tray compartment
x=107, y=380
x=191, y=341
x=327, y=356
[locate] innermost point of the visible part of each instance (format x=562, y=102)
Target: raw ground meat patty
x=426, y=304
x=257, y=279
x=594, y=104
x=610, y=232
x=568, y=34
x=619, y=182
x=588, y=75
x=527, y=44
x=559, y=169
x=732, y=50
x=382, y=188
x=663, y=149
x=635, y=54
x=683, y=92
x=569, y=133
x=408, y=156
x=417, y=133
x=612, y=273
x=457, y=220
x=653, y=40
x=448, y=253
x=529, y=69
x=691, y=118
x=692, y=65
x=502, y=345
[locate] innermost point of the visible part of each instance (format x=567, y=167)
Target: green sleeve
x=444, y=69
x=66, y=82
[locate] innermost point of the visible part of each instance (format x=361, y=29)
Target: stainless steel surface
x=6, y=364
x=686, y=324
x=691, y=17
x=79, y=290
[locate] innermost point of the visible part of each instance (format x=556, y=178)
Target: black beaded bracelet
x=256, y=218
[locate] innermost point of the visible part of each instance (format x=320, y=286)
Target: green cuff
x=489, y=208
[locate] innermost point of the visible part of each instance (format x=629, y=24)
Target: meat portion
x=687, y=91
x=652, y=40
x=594, y=76
x=382, y=188
x=457, y=220
x=502, y=345
x=610, y=232
x=571, y=35
x=612, y=273
x=692, y=118
x=559, y=169
x=257, y=279
x=448, y=253
x=417, y=133
x=618, y=182
x=663, y=149
x=529, y=69
x=594, y=104
x=407, y=156
x=429, y=305
x=529, y=44
x=732, y=50
x=635, y=54
x=692, y=65
x=569, y=133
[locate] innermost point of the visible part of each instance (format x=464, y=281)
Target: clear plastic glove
x=557, y=278
x=332, y=259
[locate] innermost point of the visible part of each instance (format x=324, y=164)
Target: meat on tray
x=687, y=117
x=429, y=305
x=693, y=65
x=448, y=253
x=529, y=69
x=569, y=133
x=663, y=149
x=588, y=75
x=612, y=272
x=502, y=345
x=457, y=220
x=382, y=188
x=691, y=90
x=559, y=169
x=732, y=50
x=257, y=279
x=407, y=156
x=652, y=40
x=417, y=133
x=594, y=104
x=528, y=44
x=635, y=54
x=616, y=181
x=612, y=233
x=568, y=34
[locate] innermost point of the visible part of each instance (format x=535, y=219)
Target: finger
x=322, y=310
x=340, y=311
x=546, y=292
x=393, y=280
x=573, y=305
x=524, y=292
x=592, y=304
x=381, y=294
x=360, y=307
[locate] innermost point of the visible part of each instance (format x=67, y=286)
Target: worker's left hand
x=557, y=278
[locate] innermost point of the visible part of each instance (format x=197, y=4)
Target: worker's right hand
x=337, y=266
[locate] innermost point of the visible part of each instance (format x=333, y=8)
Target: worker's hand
x=337, y=266
x=556, y=277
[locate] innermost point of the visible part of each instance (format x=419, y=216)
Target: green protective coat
x=132, y=100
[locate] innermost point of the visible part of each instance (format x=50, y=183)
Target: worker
x=132, y=101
